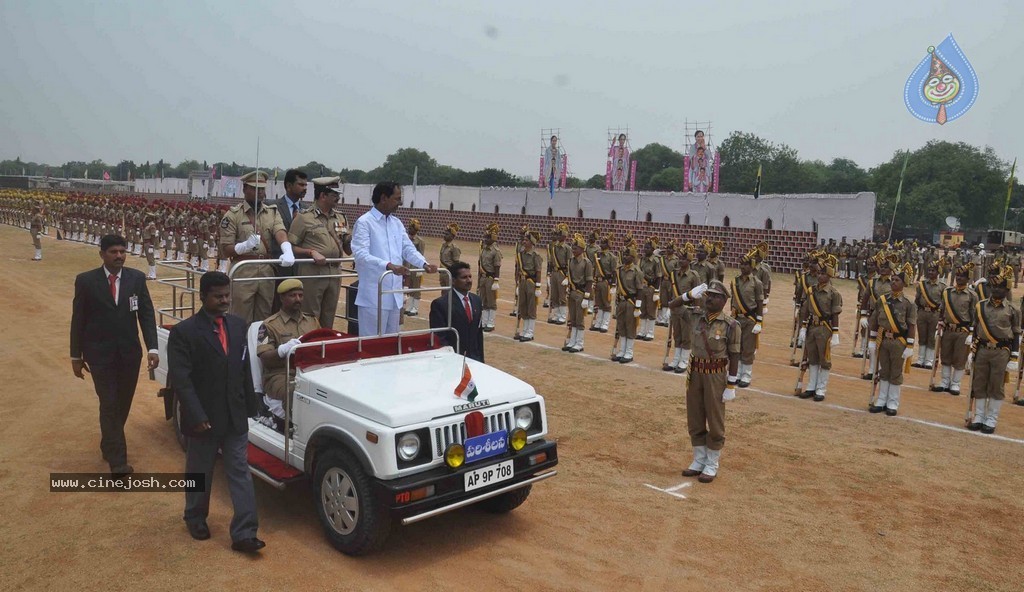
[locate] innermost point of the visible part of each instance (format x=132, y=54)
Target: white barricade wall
x=565, y=203
x=598, y=203
x=508, y=201
x=464, y=199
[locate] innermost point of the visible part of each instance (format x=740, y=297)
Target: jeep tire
x=353, y=519
x=506, y=502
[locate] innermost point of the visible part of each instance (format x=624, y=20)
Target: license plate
x=478, y=478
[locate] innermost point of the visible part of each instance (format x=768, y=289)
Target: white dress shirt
x=376, y=241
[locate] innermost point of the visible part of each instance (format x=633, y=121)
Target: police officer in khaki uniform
x=956, y=323
x=277, y=337
x=450, y=252
x=414, y=280
x=702, y=267
x=685, y=306
x=149, y=245
x=36, y=228
x=605, y=264
x=877, y=287
x=490, y=270
x=650, y=294
x=528, y=265
x=320, y=233
x=558, y=260
x=928, y=300
x=820, y=313
x=629, y=281
x=715, y=262
x=763, y=272
x=581, y=284
x=893, y=327
x=711, y=382
x=669, y=260
x=245, y=233
x=747, y=295
x=997, y=337
x=593, y=248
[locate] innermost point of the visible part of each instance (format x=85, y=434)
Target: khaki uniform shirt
x=236, y=226
x=651, y=268
x=559, y=254
x=751, y=295
x=323, y=232
x=1003, y=322
x=717, y=268
x=705, y=269
x=605, y=264
x=450, y=253
x=581, y=274
x=630, y=281
x=278, y=329
x=933, y=291
x=490, y=261
x=715, y=338
x=903, y=312
x=684, y=281
x=961, y=306
x=420, y=246
x=531, y=265
x=763, y=272
x=829, y=302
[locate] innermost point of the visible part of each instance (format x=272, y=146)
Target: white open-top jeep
x=376, y=428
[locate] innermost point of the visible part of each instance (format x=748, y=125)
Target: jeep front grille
x=456, y=432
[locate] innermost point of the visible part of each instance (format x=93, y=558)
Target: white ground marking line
x=671, y=490
x=790, y=397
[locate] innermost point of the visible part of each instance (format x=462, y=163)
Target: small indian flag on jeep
x=466, y=389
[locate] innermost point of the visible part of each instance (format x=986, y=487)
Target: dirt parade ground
x=810, y=496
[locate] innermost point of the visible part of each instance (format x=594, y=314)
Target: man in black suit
x=208, y=368
x=289, y=206
x=466, y=311
x=111, y=304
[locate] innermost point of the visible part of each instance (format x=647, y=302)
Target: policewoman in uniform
x=529, y=264
x=490, y=270
x=997, y=335
x=820, y=313
x=450, y=252
x=892, y=326
x=747, y=296
x=684, y=308
x=605, y=264
x=956, y=314
x=928, y=300
x=629, y=280
x=711, y=382
x=414, y=280
x=581, y=283
x=558, y=260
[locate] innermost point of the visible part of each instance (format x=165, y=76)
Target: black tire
x=176, y=420
x=506, y=502
x=360, y=528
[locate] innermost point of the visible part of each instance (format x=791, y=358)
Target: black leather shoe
x=916, y=365
x=974, y=426
x=248, y=545
x=679, y=370
x=743, y=384
x=667, y=368
x=858, y=355
x=819, y=398
x=199, y=530
x=890, y=412
x=565, y=348
x=488, y=329
x=987, y=430
x=625, y=360
x=513, y=313
x=806, y=394
x=952, y=392
x=876, y=409
x=121, y=470
x=616, y=358
x=603, y=330
x=1017, y=402
x=594, y=329
x=525, y=339
x=517, y=337
x=937, y=389
x=867, y=376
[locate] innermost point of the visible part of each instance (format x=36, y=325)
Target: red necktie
x=469, y=309
x=113, y=287
x=222, y=334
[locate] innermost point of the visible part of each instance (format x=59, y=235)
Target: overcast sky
x=473, y=82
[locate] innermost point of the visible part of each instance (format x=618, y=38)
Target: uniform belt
x=928, y=308
x=821, y=323
x=1002, y=344
x=709, y=365
x=887, y=334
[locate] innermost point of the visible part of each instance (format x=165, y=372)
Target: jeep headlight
x=408, y=446
x=524, y=417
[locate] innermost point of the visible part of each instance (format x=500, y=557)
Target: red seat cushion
x=372, y=347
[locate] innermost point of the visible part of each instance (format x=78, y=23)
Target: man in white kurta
x=380, y=243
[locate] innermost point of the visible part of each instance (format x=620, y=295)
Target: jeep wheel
x=507, y=502
x=353, y=520
x=176, y=420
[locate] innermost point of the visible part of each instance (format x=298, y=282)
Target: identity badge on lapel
x=133, y=303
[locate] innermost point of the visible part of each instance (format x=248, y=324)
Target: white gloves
x=863, y=322
x=657, y=297
x=611, y=292
x=1012, y=366
x=803, y=335
x=695, y=293
x=287, y=256
x=835, y=340
x=756, y=329
x=248, y=245
x=636, y=310
x=285, y=349
x=585, y=304
x=907, y=352
x=970, y=340
x=494, y=285
x=565, y=282
x=537, y=292
x=728, y=394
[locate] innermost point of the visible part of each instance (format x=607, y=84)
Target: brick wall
x=786, y=247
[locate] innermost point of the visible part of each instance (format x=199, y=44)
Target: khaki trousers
x=705, y=410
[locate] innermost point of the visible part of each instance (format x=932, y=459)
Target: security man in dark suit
x=208, y=368
x=466, y=309
x=110, y=303
x=288, y=205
